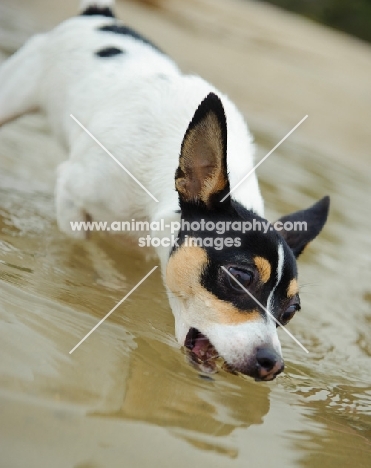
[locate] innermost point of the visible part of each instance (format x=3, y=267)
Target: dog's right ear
x=201, y=177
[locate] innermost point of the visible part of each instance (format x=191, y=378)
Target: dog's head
x=214, y=314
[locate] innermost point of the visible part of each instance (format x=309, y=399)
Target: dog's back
x=105, y=87
x=131, y=96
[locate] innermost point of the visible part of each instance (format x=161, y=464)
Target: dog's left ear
x=201, y=177
x=315, y=218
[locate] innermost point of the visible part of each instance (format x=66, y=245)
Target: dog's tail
x=97, y=7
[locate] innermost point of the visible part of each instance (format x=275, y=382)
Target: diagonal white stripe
x=112, y=310
x=281, y=257
x=113, y=157
x=265, y=157
x=266, y=310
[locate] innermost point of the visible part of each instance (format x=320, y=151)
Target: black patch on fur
x=315, y=217
x=253, y=243
x=116, y=28
x=95, y=10
x=108, y=52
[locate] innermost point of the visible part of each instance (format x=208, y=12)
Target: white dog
x=188, y=146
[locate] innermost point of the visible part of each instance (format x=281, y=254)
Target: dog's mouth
x=204, y=357
x=202, y=353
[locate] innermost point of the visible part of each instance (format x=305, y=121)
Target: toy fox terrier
x=189, y=146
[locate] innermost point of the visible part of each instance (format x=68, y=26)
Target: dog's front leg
x=68, y=209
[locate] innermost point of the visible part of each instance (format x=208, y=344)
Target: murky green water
x=127, y=396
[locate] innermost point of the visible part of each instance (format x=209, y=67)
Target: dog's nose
x=269, y=363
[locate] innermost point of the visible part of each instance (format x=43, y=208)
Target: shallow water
x=127, y=395
x=129, y=384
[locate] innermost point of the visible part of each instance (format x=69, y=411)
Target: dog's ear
x=201, y=177
x=315, y=218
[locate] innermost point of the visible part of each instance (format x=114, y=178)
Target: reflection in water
x=203, y=411
x=54, y=290
x=131, y=368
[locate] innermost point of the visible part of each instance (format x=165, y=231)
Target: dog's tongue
x=202, y=352
x=202, y=347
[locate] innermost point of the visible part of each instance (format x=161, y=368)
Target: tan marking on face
x=184, y=269
x=264, y=268
x=293, y=288
x=201, y=161
x=226, y=313
x=183, y=277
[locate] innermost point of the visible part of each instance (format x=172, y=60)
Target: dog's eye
x=289, y=313
x=245, y=277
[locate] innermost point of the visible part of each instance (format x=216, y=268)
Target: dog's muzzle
x=265, y=364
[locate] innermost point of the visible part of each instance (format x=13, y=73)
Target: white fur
x=237, y=343
x=138, y=105
x=281, y=261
